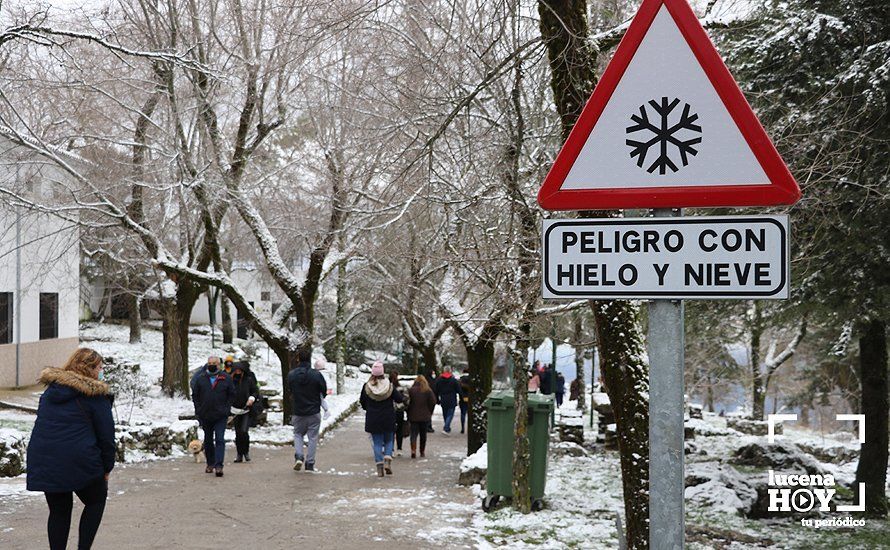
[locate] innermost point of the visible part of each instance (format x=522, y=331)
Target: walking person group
x=72, y=446
x=392, y=411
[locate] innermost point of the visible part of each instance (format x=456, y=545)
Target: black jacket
x=464, y=390
x=72, y=444
x=307, y=388
x=213, y=401
x=547, y=381
x=246, y=386
x=447, y=389
x=380, y=416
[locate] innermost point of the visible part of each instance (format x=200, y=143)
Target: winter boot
x=387, y=465
x=380, y=469
x=219, y=472
x=414, y=450
x=208, y=470
x=246, y=457
x=422, y=452
x=310, y=466
x=239, y=459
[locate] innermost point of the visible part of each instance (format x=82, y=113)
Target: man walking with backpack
x=307, y=389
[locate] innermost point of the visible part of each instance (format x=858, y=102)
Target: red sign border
x=781, y=189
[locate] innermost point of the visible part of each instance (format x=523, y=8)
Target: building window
x=49, y=315
x=265, y=296
x=6, y=317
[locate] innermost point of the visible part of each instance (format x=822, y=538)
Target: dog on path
x=196, y=447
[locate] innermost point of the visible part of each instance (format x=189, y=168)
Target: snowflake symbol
x=664, y=135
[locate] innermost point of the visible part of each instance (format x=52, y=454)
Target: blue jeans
x=214, y=442
x=463, y=416
x=448, y=413
x=382, y=444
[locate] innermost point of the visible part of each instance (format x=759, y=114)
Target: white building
x=255, y=284
x=39, y=271
x=258, y=289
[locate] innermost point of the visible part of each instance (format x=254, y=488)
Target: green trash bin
x=501, y=416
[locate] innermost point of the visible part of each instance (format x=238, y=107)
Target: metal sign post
x=666, y=401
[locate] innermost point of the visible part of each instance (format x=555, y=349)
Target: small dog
x=196, y=447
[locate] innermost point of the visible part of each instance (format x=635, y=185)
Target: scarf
x=380, y=391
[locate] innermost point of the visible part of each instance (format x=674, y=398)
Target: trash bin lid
x=540, y=402
x=500, y=399
x=503, y=399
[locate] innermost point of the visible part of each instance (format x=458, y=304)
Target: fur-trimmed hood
x=77, y=382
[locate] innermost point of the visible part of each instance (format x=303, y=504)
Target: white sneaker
x=398, y=453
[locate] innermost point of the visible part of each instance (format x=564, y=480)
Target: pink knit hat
x=377, y=369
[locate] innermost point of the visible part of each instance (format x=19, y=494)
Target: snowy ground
x=583, y=499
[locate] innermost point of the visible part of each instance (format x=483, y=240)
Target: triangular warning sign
x=667, y=126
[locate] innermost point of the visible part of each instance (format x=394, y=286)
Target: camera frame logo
x=801, y=493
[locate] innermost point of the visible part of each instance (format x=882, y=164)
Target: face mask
x=212, y=369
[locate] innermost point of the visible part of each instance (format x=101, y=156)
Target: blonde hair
x=422, y=383
x=83, y=362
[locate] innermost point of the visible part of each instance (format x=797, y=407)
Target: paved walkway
x=265, y=504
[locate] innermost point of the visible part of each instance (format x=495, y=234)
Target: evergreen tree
x=817, y=71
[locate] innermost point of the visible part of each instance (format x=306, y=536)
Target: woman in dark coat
x=72, y=447
x=377, y=399
x=420, y=411
x=245, y=407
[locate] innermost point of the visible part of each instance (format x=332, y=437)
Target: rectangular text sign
x=675, y=258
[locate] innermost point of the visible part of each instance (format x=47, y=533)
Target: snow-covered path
x=265, y=504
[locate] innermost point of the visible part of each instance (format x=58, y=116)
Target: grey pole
x=666, y=400
x=18, y=295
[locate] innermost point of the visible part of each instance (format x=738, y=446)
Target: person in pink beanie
x=377, y=399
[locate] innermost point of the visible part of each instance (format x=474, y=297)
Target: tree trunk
x=553, y=355
x=578, y=336
x=480, y=366
x=340, y=321
x=135, y=316
x=174, y=381
x=709, y=395
x=522, y=494
x=758, y=395
x=176, y=336
x=430, y=361
x=804, y=415
x=285, y=358
x=228, y=333
x=627, y=383
x=564, y=29
x=872, y=468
